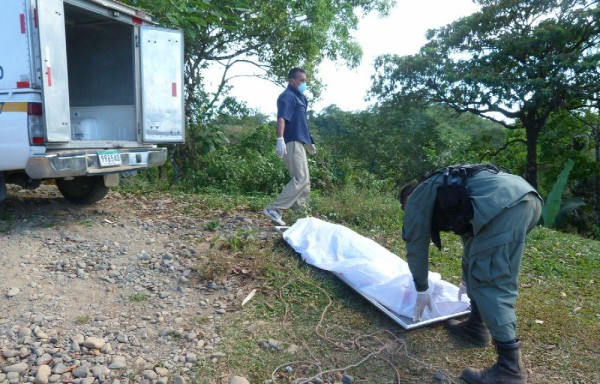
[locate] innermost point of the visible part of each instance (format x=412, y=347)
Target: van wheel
x=83, y=190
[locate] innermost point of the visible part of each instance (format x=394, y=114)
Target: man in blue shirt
x=292, y=137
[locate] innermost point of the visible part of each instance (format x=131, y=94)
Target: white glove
x=462, y=290
x=312, y=149
x=280, y=147
x=423, y=300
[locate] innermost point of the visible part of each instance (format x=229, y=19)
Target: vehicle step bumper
x=87, y=163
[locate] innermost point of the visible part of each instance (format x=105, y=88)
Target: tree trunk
x=596, y=133
x=532, y=132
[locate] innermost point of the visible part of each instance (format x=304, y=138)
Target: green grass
x=89, y=223
x=333, y=327
x=138, y=297
x=5, y=227
x=6, y=222
x=82, y=320
x=212, y=225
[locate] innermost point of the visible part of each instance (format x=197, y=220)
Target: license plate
x=109, y=158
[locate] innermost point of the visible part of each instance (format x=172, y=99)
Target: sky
x=402, y=32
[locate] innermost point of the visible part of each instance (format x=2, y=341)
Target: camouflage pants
x=491, y=264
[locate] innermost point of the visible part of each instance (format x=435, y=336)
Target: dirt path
x=108, y=293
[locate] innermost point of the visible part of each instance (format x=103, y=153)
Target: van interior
x=101, y=60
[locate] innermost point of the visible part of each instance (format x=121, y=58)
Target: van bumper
x=86, y=163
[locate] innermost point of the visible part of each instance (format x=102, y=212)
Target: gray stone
x=179, y=380
x=43, y=374
x=94, y=342
x=78, y=339
x=107, y=348
x=8, y=353
x=191, y=358
x=274, y=344
x=13, y=292
x=238, y=380
x=45, y=359
x=149, y=374
x=347, y=379
x=118, y=362
x=17, y=368
x=41, y=335
x=60, y=368
x=24, y=332
x=24, y=352
x=81, y=371
x=217, y=355
x=292, y=349
x=100, y=371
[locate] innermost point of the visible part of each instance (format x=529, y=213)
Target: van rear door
x=55, y=82
x=161, y=52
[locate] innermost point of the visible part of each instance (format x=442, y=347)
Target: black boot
x=508, y=369
x=472, y=330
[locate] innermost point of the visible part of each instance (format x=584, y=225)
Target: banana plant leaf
x=554, y=199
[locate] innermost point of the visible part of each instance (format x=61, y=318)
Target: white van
x=88, y=88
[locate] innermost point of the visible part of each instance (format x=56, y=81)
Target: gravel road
x=109, y=293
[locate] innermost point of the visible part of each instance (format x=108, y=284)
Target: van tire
x=83, y=189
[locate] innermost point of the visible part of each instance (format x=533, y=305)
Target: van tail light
x=35, y=122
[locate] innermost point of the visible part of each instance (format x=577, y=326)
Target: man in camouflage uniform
x=504, y=209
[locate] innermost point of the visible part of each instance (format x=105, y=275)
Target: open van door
x=55, y=81
x=161, y=52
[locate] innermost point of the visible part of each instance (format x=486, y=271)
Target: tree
x=515, y=62
x=271, y=35
x=400, y=143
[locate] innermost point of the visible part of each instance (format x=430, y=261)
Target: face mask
x=302, y=87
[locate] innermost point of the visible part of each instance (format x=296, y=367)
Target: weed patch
x=138, y=297
x=82, y=320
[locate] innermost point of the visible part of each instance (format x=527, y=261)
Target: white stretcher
x=372, y=271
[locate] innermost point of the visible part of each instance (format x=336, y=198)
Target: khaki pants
x=491, y=264
x=296, y=193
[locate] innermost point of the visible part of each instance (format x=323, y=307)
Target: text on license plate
x=109, y=158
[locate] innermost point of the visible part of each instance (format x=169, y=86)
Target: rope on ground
x=389, y=348
x=306, y=380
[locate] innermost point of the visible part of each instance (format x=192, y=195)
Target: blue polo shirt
x=292, y=106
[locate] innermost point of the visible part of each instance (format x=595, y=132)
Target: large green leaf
x=553, y=201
